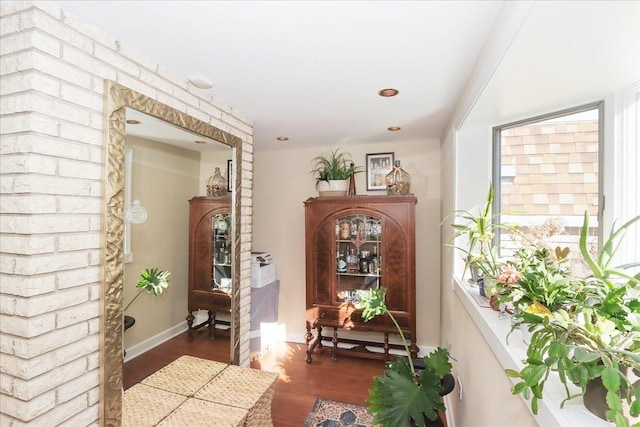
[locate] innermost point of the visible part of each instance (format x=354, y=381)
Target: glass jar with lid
x=216, y=184
x=398, y=180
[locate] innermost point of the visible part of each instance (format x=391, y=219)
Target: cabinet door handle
x=322, y=314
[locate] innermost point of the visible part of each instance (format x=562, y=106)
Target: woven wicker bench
x=193, y=391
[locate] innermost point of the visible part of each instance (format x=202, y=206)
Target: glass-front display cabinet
x=355, y=244
x=210, y=263
x=358, y=241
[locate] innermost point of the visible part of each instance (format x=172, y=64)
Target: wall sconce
x=136, y=214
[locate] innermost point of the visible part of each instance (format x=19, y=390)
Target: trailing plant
x=152, y=280
x=405, y=394
x=596, y=334
x=336, y=165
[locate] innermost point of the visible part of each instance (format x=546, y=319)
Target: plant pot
x=333, y=188
x=128, y=322
x=448, y=383
x=594, y=398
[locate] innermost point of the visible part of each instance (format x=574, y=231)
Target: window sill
x=495, y=330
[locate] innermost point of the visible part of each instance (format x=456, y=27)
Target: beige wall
x=282, y=183
x=486, y=390
x=164, y=178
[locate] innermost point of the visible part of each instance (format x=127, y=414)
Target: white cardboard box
x=262, y=274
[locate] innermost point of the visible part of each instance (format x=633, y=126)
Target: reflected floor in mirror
x=299, y=383
x=146, y=364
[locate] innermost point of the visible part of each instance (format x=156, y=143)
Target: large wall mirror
x=159, y=150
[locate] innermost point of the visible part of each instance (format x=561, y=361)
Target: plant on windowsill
x=590, y=333
x=480, y=254
x=410, y=391
x=153, y=281
x=585, y=330
x=332, y=171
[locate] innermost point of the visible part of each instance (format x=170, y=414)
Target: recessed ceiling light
x=199, y=141
x=133, y=122
x=394, y=128
x=282, y=138
x=388, y=92
x=198, y=80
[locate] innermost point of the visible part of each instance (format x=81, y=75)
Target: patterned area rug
x=333, y=413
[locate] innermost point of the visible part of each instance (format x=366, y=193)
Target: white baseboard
x=451, y=421
x=146, y=345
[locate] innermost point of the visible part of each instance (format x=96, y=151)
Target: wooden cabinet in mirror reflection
x=210, y=264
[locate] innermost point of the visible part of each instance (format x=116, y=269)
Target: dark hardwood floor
x=299, y=384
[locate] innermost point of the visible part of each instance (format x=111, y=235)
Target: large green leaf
x=396, y=398
x=438, y=361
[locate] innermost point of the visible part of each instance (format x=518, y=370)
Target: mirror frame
x=116, y=99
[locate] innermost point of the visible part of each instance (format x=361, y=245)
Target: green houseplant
x=153, y=281
x=593, y=334
x=582, y=329
x=336, y=165
x=479, y=229
x=410, y=391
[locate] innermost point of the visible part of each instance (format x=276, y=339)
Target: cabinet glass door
x=358, y=245
x=222, y=252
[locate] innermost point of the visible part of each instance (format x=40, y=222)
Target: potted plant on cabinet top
x=332, y=172
x=153, y=281
x=410, y=391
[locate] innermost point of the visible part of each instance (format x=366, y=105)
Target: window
x=547, y=174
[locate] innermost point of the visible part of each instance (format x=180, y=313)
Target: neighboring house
x=52, y=76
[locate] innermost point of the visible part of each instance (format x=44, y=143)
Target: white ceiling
x=311, y=70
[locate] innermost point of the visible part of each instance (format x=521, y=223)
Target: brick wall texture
x=52, y=71
x=555, y=166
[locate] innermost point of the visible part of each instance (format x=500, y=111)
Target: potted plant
x=153, y=281
x=533, y=278
x=332, y=172
x=480, y=254
x=589, y=334
x=410, y=391
x=585, y=330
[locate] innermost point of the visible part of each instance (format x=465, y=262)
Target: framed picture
x=229, y=175
x=378, y=166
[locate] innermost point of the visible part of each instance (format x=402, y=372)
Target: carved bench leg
x=414, y=348
x=307, y=338
x=386, y=346
x=334, y=355
x=211, y=322
x=320, y=336
x=190, y=319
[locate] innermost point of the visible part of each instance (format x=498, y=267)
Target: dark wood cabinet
x=354, y=244
x=210, y=257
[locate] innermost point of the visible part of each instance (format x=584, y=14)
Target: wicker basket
x=144, y=406
x=194, y=391
x=185, y=375
x=245, y=388
x=196, y=412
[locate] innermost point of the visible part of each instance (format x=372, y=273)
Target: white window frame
x=497, y=164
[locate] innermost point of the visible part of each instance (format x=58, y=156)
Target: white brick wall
x=52, y=71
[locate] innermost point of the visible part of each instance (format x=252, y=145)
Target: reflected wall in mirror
x=166, y=171
x=122, y=104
